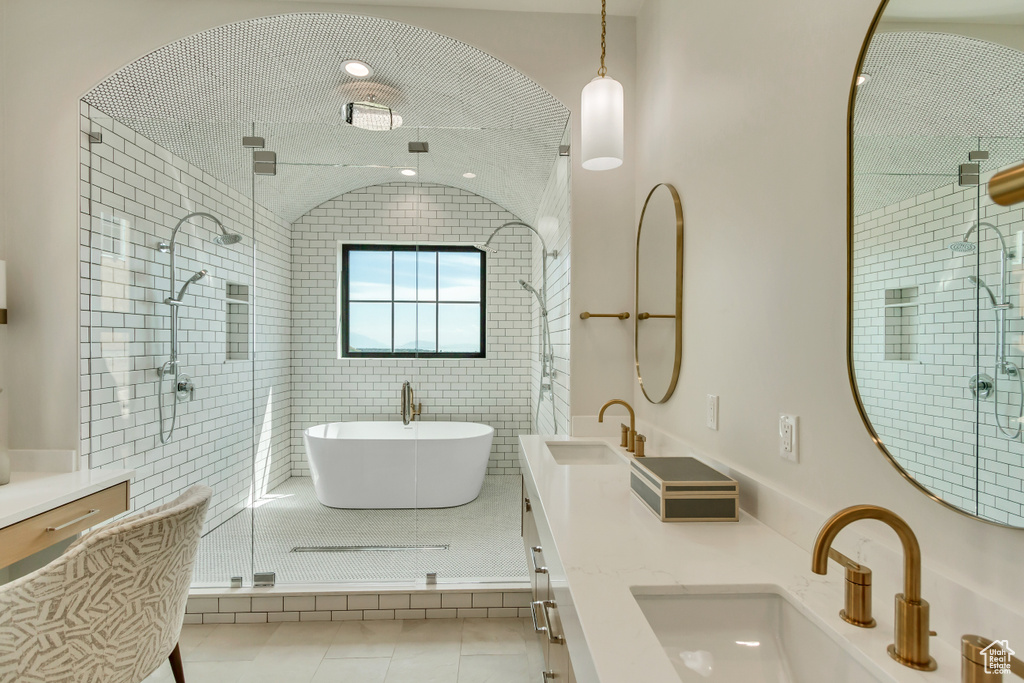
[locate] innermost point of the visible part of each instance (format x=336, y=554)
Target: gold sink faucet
x=910, y=643
x=631, y=436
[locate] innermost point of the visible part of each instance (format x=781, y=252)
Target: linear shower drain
x=364, y=548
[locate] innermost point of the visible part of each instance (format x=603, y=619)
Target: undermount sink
x=756, y=637
x=582, y=453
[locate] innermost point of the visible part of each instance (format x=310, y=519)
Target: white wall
x=494, y=390
x=744, y=110
x=54, y=52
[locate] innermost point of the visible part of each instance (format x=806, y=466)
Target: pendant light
x=601, y=117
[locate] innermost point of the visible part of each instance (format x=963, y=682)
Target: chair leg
x=175, y=660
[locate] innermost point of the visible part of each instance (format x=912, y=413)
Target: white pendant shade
x=601, y=124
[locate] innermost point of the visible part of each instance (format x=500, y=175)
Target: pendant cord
x=602, y=71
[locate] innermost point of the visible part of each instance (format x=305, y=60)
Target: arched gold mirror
x=936, y=281
x=658, y=323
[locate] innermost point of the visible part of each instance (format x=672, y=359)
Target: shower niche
x=901, y=320
x=237, y=321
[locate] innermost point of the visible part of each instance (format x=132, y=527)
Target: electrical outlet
x=787, y=437
x=711, y=412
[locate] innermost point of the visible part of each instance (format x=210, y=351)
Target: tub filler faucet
x=409, y=409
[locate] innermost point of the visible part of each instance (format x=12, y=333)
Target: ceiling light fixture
x=371, y=116
x=863, y=78
x=408, y=171
x=353, y=67
x=469, y=175
x=601, y=113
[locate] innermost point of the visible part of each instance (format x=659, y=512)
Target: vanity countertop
x=32, y=493
x=606, y=542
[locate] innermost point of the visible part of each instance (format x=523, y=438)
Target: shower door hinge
x=970, y=174
x=264, y=579
x=264, y=163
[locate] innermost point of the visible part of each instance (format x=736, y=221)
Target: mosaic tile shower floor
x=483, y=539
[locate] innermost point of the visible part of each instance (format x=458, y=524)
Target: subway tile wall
x=553, y=223
x=133, y=193
x=325, y=388
x=915, y=349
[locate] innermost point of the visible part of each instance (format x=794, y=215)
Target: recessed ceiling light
x=408, y=171
x=353, y=67
x=469, y=175
x=863, y=78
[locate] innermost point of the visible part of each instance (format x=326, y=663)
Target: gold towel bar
x=621, y=316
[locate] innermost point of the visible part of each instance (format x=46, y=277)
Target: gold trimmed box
x=685, y=490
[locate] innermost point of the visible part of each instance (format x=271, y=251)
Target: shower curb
x=263, y=605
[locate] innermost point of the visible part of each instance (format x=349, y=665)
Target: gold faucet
x=975, y=660
x=631, y=437
x=910, y=643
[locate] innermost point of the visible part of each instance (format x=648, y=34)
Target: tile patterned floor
x=428, y=651
x=483, y=539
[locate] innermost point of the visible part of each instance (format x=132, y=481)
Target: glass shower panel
x=916, y=308
x=165, y=372
x=339, y=505
x=1000, y=474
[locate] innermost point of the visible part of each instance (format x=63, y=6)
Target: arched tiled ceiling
x=932, y=98
x=281, y=78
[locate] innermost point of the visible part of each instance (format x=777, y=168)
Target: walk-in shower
x=982, y=386
x=547, y=356
x=183, y=386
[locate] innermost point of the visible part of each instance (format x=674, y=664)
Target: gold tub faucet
x=910, y=643
x=631, y=436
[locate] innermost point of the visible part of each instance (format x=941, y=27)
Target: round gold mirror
x=936, y=278
x=658, y=322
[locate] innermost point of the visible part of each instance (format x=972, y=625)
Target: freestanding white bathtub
x=386, y=465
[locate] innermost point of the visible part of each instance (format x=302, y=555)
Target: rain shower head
x=227, y=238
x=486, y=247
x=962, y=247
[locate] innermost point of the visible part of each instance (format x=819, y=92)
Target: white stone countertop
x=606, y=541
x=33, y=493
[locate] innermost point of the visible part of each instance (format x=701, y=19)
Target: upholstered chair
x=110, y=609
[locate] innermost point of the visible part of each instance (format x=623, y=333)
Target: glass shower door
x=999, y=472
x=339, y=503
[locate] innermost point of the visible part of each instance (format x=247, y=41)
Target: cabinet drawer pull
x=76, y=520
x=533, y=558
x=552, y=638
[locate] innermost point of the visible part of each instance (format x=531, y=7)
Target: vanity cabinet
x=543, y=607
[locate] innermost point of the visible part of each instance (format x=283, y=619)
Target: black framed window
x=408, y=301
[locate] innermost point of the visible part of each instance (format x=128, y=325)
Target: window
x=412, y=301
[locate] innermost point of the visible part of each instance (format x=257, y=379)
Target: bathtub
x=387, y=465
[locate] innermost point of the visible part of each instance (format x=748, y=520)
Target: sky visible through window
x=413, y=301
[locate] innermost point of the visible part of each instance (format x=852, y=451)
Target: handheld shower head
x=974, y=280
x=195, y=278
x=527, y=286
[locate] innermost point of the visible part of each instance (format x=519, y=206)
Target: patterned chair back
x=109, y=610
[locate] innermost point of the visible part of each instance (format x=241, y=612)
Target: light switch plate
x=711, y=412
x=788, y=437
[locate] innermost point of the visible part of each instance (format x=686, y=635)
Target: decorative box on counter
x=685, y=490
